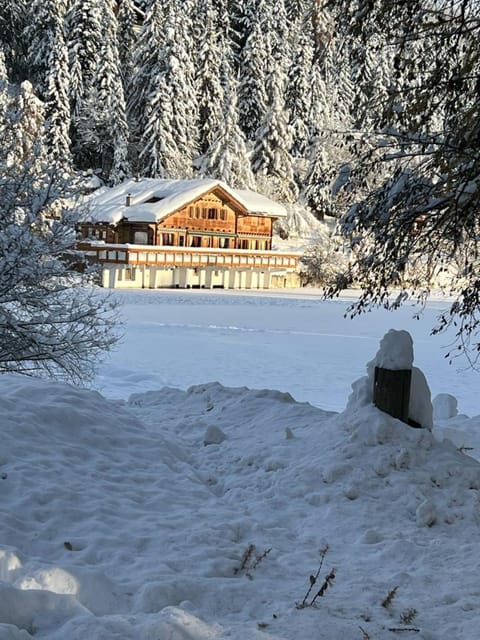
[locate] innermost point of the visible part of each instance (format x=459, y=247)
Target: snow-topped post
x=391, y=391
x=393, y=374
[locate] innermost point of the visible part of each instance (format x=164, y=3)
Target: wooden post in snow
x=391, y=391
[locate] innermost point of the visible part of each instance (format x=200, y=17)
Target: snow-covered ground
x=290, y=341
x=204, y=513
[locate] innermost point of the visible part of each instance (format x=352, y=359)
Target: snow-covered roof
x=108, y=204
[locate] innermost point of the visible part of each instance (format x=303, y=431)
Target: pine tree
x=252, y=94
x=169, y=140
x=13, y=19
x=160, y=156
x=83, y=42
x=271, y=155
x=227, y=157
x=24, y=126
x=297, y=10
x=3, y=68
x=242, y=18
x=57, y=104
x=4, y=98
x=317, y=192
x=127, y=39
x=282, y=35
x=298, y=97
x=208, y=81
x=102, y=122
x=147, y=65
x=181, y=74
x=45, y=18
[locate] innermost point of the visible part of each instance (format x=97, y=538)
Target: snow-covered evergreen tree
x=3, y=85
x=147, y=66
x=23, y=128
x=227, y=157
x=45, y=17
x=298, y=96
x=297, y=10
x=127, y=18
x=57, y=103
x=160, y=156
x=281, y=34
x=210, y=92
x=242, y=18
x=317, y=192
x=13, y=19
x=252, y=94
x=169, y=139
x=271, y=154
x=84, y=41
x=103, y=125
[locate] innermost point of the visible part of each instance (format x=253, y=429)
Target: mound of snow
x=117, y=521
x=445, y=406
x=396, y=352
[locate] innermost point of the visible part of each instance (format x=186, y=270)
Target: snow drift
x=127, y=520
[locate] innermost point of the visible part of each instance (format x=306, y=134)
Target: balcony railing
x=166, y=256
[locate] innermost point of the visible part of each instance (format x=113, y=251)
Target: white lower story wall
x=117, y=276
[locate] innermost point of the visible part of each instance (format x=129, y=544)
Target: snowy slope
x=119, y=521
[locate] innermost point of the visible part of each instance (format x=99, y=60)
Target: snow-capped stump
x=213, y=435
x=393, y=374
x=399, y=388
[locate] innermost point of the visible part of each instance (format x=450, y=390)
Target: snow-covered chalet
x=153, y=233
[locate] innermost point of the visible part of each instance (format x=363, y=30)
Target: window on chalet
x=130, y=274
x=196, y=241
x=212, y=214
x=95, y=233
x=167, y=239
x=224, y=243
x=197, y=212
x=140, y=237
x=223, y=214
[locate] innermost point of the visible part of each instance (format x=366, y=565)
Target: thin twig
x=313, y=579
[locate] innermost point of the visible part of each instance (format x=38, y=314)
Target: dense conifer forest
x=261, y=94
x=365, y=110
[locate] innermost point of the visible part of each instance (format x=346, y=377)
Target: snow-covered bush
x=324, y=262
x=50, y=323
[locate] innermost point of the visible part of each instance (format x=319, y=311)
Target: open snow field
x=289, y=341
x=159, y=513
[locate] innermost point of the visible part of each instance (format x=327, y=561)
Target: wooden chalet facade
x=184, y=233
